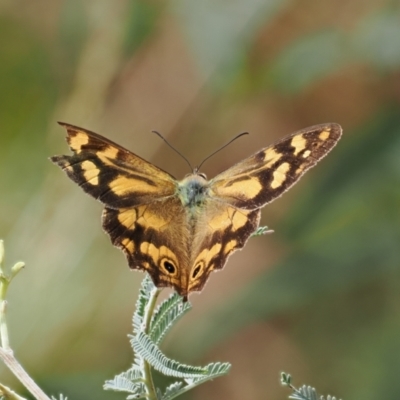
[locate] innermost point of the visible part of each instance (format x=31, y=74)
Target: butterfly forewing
x=110, y=173
x=264, y=176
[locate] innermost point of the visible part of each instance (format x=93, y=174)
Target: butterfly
x=181, y=231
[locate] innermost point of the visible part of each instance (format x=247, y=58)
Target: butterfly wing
x=143, y=215
x=154, y=237
x=232, y=210
x=110, y=173
x=264, y=176
x=220, y=230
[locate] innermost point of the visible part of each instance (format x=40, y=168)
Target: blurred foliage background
x=319, y=298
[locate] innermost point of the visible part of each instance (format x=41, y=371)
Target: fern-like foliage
x=62, y=397
x=150, y=325
x=166, y=315
x=262, y=230
x=304, y=392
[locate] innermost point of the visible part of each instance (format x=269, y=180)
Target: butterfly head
x=196, y=172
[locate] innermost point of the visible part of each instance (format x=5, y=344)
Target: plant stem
x=6, y=353
x=4, y=281
x=148, y=377
x=15, y=367
x=5, y=343
x=9, y=394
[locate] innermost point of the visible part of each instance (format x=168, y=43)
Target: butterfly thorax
x=192, y=190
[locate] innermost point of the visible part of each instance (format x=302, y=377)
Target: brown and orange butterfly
x=181, y=231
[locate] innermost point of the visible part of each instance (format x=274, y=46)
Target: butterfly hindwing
x=155, y=238
x=110, y=173
x=220, y=230
x=264, y=176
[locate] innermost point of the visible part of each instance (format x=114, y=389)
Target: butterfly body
x=181, y=231
x=192, y=191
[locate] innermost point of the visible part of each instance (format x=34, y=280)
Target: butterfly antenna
x=216, y=151
x=173, y=148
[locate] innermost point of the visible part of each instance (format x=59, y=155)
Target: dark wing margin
x=111, y=173
x=264, y=176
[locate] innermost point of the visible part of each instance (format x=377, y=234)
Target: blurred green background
x=319, y=298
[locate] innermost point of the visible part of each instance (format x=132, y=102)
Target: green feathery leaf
x=146, y=290
x=304, y=392
x=214, y=370
x=134, y=374
x=261, y=230
x=55, y=398
x=149, y=328
x=166, y=315
x=172, y=390
x=146, y=349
